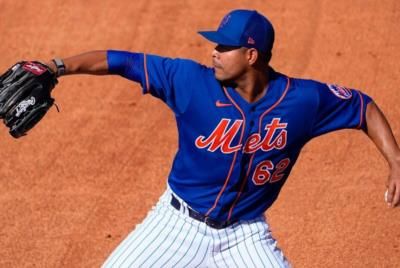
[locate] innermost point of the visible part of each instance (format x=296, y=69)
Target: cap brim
x=218, y=38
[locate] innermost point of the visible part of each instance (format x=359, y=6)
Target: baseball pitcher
x=241, y=128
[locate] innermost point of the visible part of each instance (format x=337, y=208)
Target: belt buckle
x=209, y=222
x=214, y=224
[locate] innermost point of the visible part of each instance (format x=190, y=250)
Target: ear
x=252, y=55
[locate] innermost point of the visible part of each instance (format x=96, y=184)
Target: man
x=241, y=127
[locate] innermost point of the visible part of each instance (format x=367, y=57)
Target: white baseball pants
x=170, y=238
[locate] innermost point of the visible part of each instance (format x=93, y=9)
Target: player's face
x=230, y=63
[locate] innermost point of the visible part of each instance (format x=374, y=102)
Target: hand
x=25, y=95
x=380, y=133
x=393, y=185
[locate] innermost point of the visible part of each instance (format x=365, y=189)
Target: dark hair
x=265, y=57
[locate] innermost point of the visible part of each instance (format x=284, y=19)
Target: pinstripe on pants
x=170, y=238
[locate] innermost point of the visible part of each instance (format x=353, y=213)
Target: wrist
x=59, y=66
x=52, y=66
x=394, y=160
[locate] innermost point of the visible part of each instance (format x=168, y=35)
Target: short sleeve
x=165, y=78
x=339, y=108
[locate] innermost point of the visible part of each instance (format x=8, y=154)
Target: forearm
x=380, y=133
x=94, y=62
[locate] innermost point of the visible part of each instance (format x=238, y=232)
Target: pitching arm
x=94, y=62
x=380, y=133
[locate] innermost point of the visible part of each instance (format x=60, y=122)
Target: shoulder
x=175, y=62
x=305, y=92
x=314, y=87
x=301, y=88
x=297, y=84
x=307, y=85
x=176, y=69
x=308, y=89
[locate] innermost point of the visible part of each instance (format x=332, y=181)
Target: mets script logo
x=339, y=91
x=23, y=105
x=275, y=137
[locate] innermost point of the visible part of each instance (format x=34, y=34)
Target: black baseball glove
x=25, y=95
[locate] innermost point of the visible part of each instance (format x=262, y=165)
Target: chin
x=226, y=82
x=220, y=77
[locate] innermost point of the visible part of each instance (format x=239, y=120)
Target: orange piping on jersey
x=145, y=73
x=252, y=156
x=362, y=109
x=275, y=104
x=234, y=157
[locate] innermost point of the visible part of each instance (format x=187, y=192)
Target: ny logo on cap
x=225, y=20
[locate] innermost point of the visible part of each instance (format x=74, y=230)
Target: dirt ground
x=73, y=188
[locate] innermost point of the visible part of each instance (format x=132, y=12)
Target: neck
x=253, y=85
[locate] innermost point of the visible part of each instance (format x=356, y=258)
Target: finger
x=386, y=197
x=390, y=193
x=396, y=198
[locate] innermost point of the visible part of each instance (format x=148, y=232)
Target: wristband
x=60, y=66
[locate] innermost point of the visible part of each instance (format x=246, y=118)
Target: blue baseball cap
x=244, y=28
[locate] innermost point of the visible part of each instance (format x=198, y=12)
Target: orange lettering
x=221, y=137
x=253, y=143
x=271, y=128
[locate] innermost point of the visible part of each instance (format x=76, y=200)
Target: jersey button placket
x=252, y=112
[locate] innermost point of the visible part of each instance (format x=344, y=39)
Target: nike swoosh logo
x=218, y=103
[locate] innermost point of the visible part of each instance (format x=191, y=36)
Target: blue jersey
x=234, y=156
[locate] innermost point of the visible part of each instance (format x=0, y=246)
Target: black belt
x=200, y=217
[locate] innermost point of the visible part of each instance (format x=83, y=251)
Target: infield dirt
x=79, y=182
